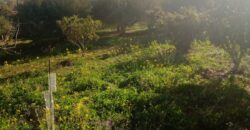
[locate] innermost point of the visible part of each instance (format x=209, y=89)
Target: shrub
x=158, y=79
x=22, y=102
x=157, y=53
x=157, y=111
x=81, y=81
x=79, y=30
x=213, y=107
x=114, y=105
x=206, y=56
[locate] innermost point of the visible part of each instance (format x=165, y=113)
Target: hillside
x=127, y=82
x=124, y=65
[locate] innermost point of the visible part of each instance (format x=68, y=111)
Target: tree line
x=224, y=22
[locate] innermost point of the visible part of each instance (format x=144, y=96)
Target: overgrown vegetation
x=153, y=64
x=138, y=89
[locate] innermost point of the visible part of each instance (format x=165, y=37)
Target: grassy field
x=126, y=82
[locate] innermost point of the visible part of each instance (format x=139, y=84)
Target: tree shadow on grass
x=194, y=107
x=37, y=48
x=41, y=47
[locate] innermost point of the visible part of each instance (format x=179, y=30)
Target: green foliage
x=5, y=26
x=158, y=79
x=73, y=112
x=137, y=87
x=85, y=82
x=79, y=31
x=124, y=82
x=114, y=105
x=184, y=26
x=245, y=65
x=156, y=54
x=206, y=56
x=25, y=102
x=156, y=111
x=156, y=18
x=7, y=7
x=225, y=23
x=120, y=13
x=213, y=107
x=7, y=123
x=40, y=16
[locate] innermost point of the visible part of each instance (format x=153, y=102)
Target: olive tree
x=232, y=29
x=79, y=31
x=120, y=13
x=9, y=26
x=156, y=18
x=40, y=16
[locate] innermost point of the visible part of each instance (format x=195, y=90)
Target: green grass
x=133, y=85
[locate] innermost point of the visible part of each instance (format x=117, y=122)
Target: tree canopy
x=121, y=13
x=79, y=31
x=39, y=15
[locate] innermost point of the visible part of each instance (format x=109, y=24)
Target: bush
x=158, y=53
x=205, y=56
x=73, y=112
x=141, y=58
x=79, y=81
x=159, y=79
x=157, y=111
x=22, y=102
x=114, y=105
x=79, y=31
x=213, y=107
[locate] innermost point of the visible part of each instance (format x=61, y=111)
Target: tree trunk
x=118, y=29
x=236, y=66
x=81, y=46
x=121, y=29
